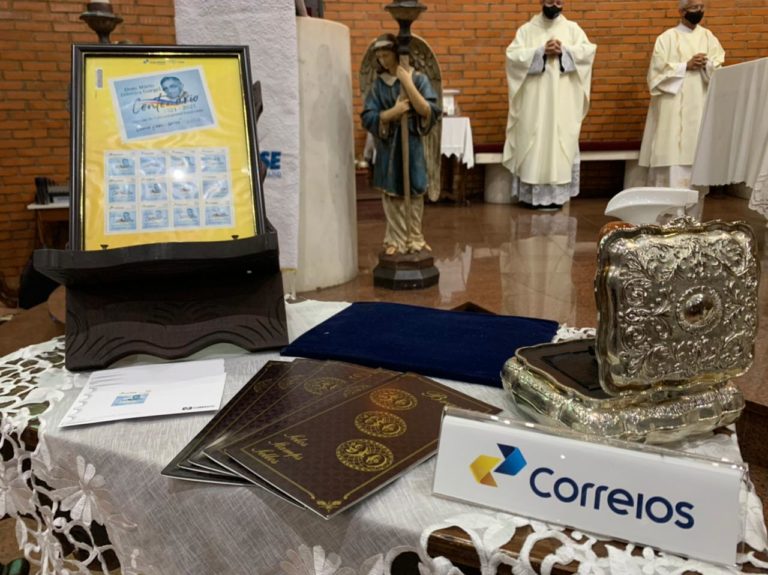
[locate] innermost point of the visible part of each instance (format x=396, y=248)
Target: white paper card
x=683, y=504
x=148, y=391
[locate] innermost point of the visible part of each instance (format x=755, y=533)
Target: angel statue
x=397, y=94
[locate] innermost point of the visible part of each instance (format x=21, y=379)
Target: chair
x=654, y=205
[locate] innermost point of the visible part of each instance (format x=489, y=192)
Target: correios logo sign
x=546, y=483
x=512, y=463
x=668, y=499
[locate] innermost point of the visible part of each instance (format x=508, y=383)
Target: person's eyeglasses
x=695, y=8
x=554, y=3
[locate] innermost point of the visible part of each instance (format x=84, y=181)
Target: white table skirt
x=110, y=474
x=733, y=139
x=456, y=139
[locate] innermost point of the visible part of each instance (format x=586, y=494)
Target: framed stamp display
x=170, y=248
x=163, y=146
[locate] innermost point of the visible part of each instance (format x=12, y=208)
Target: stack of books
x=321, y=434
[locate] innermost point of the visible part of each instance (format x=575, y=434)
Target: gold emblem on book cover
x=395, y=399
x=365, y=455
x=290, y=381
x=329, y=505
x=380, y=424
x=323, y=385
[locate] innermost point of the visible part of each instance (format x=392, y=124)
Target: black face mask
x=694, y=17
x=551, y=12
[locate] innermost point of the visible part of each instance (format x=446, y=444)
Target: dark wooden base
x=169, y=300
x=406, y=271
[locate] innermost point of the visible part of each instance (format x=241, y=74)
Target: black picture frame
x=83, y=142
x=167, y=296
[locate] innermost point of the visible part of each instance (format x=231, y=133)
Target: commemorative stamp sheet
x=166, y=190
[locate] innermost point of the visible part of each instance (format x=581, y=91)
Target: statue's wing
x=423, y=59
x=367, y=71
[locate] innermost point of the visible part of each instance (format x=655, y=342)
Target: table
x=456, y=139
x=733, y=139
x=104, y=480
x=47, y=216
x=456, y=144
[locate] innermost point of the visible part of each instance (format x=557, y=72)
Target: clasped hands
x=553, y=47
x=401, y=107
x=697, y=62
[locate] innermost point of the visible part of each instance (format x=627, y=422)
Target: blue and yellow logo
x=512, y=463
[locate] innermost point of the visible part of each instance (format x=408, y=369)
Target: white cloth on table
x=733, y=141
x=268, y=28
x=111, y=474
x=456, y=139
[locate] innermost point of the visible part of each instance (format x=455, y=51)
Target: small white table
x=456, y=144
x=456, y=139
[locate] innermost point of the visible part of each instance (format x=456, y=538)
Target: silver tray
x=655, y=415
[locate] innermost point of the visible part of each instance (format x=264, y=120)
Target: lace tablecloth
x=97, y=491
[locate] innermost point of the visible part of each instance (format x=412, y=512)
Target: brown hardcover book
x=279, y=389
x=333, y=458
x=266, y=379
x=332, y=382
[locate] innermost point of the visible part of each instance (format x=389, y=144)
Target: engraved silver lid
x=677, y=304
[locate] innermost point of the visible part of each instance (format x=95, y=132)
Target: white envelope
x=148, y=391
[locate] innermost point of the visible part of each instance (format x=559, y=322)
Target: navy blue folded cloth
x=459, y=345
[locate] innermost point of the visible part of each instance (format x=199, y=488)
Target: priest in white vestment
x=549, y=74
x=683, y=61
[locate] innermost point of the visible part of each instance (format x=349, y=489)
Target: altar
x=97, y=490
x=733, y=139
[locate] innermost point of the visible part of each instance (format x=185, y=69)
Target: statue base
x=406, y=271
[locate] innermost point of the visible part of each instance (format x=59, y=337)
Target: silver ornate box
x=677, y=319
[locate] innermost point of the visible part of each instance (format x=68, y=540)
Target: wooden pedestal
x=168, y=300
x=406, y=271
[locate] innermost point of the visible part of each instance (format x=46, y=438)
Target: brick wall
x=468, y=36
x=35, y=51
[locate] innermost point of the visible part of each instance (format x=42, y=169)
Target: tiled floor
x=516, y=261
